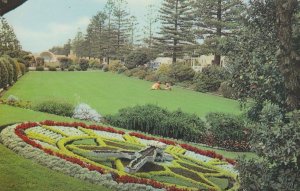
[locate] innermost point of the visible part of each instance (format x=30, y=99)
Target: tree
x=287, y=56
x=176, y=27
x=122, y=26
x=78, y=44
x=277, y=145
x=252, y=59
x=9, y=43
x=214, y=20
x=151, y=25
x=64, y=50
x=95, y=35
x=133, y=30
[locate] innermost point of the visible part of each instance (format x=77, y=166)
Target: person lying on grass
x=168, y=86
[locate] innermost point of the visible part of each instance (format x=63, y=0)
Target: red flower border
x=19, y=131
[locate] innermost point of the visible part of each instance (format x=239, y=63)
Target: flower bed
x=185, y=159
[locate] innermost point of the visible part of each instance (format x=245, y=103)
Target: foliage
x=176, y=24
x=3, y=74
x=40, y=68
x=83, y=64
x=40, y=61
x=22, y=68
x=85, y=112
x=65, y=62
x=214, y=20
x=228, y=131
x=255, y=72
x=95, y=64
x=181, y=72
x=226, y=90
x=115, y=65
x=137, y=58
x=278, y=148
x=210, y=79
x=55, y=107
x=9, y=43
x=155, y=120
x=51, y=68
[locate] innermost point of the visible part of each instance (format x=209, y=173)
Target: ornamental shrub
x=40, y=61
x=181, y=71
x=40, y=68
x=10, y=70
x=228, y=131
x=51, y=68
x=85, y=112
x=14, y=71
x=137, y=58
x=64, y=62
x=115, y=65
x=22, y=68
x=83, y=64
x=72, y=68
x=3, y=74
x=155, y=120
x=55, y=107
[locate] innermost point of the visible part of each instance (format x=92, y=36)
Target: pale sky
x=42, y=24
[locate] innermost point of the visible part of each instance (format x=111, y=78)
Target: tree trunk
x=217, y=60
x=287, y=57
x=175, y=38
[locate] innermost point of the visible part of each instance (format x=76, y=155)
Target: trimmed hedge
x=55, y=107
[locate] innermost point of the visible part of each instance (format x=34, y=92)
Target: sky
x=42, y=24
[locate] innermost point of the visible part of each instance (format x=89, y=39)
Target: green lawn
x=108, y=92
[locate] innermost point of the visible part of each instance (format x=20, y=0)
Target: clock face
x=128, y=155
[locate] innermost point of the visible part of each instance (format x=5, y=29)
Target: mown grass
x=109, y=92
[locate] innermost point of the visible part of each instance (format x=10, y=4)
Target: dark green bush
x=51, y=68
x=3, y=74
x=137, y=58
x=65, y=62
x=40, y=61
x=228, y=131
x=55, y=107
x=13, y=63
x=181, y=72
x=83, y=64
x=105, y=68
x=155, y=120
x=22, y=68
x=40, y=68
x=226, y=90
x=72, y=68
x=210, y=79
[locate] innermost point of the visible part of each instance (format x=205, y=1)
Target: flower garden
x=120, y=160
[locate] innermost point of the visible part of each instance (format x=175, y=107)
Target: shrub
x=137, y=58
x=128, y=73
x=115, y=65
x=105, y=68
x=13, y=68
x=155, y=120
x=181, y=72
x=40, y=68
x=163, y=70
x=226, y=90
x=40, y=61
x=151, y=77
x=3, y=74
x=95, y=64
x=65, y=62
x=55, y=107
x=85, y=112
x=228, y=130
x=12, y=99
x=83, y=64
x=22, y=68
x=51, y=68
x=72, y=68
x=210, y=79
x=139, y=72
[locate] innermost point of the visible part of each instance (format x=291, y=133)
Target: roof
x=8, y=5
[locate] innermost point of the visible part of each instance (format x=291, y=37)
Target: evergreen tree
x=176, y=27
x=133, y=30
x=216, y=19
x=151, y=25
x=95, y=35
x=122, y=23
x=78, y=44
x=9, y=43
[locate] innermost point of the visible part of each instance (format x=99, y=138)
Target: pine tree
x=215, y=19
x=122, y=23
x=133, y=30
x=96, y=35
x=176, y=24
x=151, y=25
x=78, y=45
x=9, y=43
